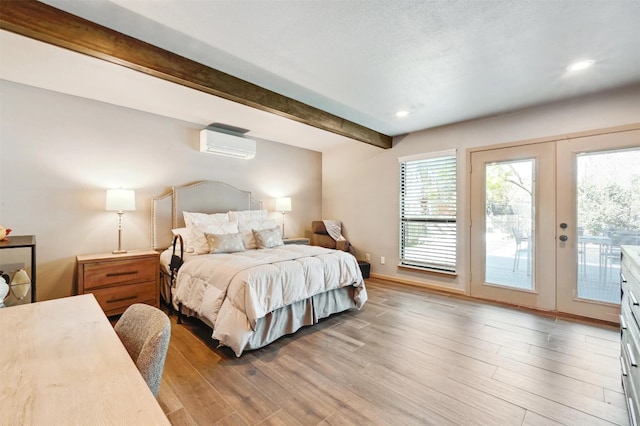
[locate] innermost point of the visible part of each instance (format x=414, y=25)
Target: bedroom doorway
x=547, y=221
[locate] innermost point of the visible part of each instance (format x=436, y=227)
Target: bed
x=238, y=276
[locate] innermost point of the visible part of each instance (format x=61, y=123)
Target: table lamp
x=120, y=200
x=283, y=205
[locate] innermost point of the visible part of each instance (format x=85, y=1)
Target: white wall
x=360, y=185
x=60, y=153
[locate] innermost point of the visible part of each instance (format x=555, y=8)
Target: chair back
x=621, y=237
x=517, y=235
x=145, y=332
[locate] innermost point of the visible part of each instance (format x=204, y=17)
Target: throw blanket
x=232, y=291
x=334, y=228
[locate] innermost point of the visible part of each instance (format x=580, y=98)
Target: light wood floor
x=410, y=357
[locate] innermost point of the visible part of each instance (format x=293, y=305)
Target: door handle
x=563, y=238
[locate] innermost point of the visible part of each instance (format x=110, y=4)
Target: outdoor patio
x=598, y=277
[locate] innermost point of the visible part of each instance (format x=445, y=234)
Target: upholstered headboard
x=201, y=197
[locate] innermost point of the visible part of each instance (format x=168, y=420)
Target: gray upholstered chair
x=145, y=332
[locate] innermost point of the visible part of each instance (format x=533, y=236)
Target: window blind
x=428, y=211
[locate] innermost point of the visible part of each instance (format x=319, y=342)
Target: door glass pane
x=608, y=209
x=509, y=219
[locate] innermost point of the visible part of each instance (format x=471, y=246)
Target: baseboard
x=413, y=283
x=460, y=293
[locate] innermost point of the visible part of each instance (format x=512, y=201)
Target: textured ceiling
x=443, y=61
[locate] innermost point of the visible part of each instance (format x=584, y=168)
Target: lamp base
x=119, y=251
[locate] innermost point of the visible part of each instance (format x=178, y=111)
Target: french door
x=548, y=219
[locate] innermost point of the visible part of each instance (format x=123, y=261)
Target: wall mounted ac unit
x=215, y=142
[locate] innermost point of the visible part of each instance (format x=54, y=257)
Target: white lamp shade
x=121, y=200
x=283, y=204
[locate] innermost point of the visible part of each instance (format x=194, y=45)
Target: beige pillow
x=246, y=229
x=268, y=238
x=199, y=240
x=225, y=243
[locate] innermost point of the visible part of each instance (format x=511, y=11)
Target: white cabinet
x=630, y=329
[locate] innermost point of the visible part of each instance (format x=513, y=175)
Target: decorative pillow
x=225, y=243
x=246, y=229
x=200, y=243
x=201, y=220
x=267, y=238
x=187, y=239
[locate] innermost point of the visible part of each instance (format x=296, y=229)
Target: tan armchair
x=320, y=237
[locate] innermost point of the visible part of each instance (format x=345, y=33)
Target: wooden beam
x=42, y=22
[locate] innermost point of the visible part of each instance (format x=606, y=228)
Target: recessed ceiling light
x=402, y=113
x=580, y=65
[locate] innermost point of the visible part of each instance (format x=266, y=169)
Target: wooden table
x=61, y=363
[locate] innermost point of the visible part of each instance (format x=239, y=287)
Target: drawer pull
x=122, y=299
x=634, y=301
x=634, y=421
x=623, y=367
x=119, y=274
x=623, y=278
x=632, y=359
x=623, y=323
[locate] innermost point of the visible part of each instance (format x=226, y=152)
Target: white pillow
x=225, y=243
x=248, y=215
x=247, y=227
x=200, y=243
x=201, y=220
x=187, y=239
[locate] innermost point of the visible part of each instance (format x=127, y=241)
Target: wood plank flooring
x=410, y=357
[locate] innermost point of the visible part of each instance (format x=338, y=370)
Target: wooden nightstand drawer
x=114, y=300
x=120, y=280
x=108, y=273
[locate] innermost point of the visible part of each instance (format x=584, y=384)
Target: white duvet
x=233, y=291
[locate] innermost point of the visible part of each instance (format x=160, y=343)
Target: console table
x=24, y=241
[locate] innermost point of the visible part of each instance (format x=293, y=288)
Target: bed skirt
x=287, y=319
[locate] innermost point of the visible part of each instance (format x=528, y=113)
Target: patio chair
x=522, y=246
x=619, y=237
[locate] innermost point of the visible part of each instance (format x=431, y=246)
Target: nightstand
x=297, y=240
x=120, y=280
x=365, y=268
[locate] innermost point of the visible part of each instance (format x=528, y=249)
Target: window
x=428, y=211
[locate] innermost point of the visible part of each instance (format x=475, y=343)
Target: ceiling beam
x=42, y=22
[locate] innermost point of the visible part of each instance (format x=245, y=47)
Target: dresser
x=120, y=280
x=630, y=329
